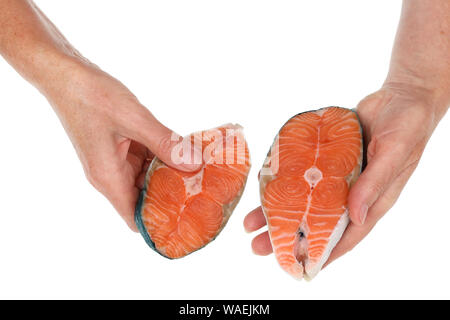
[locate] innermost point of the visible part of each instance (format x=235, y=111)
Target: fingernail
x=363, y=213
x=193, y=159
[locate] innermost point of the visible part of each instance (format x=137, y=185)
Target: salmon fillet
x=304, y=184
x=180, y=212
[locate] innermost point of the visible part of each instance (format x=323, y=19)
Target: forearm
x=421, y=54
x=33, y=45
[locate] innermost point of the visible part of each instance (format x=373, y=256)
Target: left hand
x=397, y=121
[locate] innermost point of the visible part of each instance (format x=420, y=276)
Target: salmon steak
x=180, y=212
x=304, y=183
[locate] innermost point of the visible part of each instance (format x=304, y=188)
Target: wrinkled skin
x=114, y=135
x=397, y=121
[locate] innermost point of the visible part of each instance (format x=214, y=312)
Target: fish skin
x=297, y=270
x=140, y=207
x=227, y=208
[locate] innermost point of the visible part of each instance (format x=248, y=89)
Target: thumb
x=165, y=144
x=379, y=174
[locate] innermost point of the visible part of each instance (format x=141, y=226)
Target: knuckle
x=350, y=247
x=369, y=101
x=94, y=175
x=376, y=187
x=372, y=148
x=165, y=145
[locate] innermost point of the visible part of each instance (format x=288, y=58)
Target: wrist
x=429, y=90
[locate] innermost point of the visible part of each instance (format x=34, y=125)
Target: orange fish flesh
x=180, y=212
x=304, y=183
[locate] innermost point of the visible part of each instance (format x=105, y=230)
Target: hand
x=397, y=121
x=114, y=135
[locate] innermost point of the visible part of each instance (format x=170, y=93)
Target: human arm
x=113, y=133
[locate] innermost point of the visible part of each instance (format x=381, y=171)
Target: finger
x=139, y=150
x=381, y=170
x=163, y=142
x=136, y=157
x=352, y=236
x=254, y=220
x=140, y=180
x=355, y=233
x=140, y=159
x=120, y=190
x=125, y=206
x=115, y=179
x=261, y=244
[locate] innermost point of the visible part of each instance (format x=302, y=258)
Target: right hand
x=114, y=135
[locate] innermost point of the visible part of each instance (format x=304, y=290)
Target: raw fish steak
x=304, y=183
x=180, y=212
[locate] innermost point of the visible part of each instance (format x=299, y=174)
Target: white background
x=196, y=65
